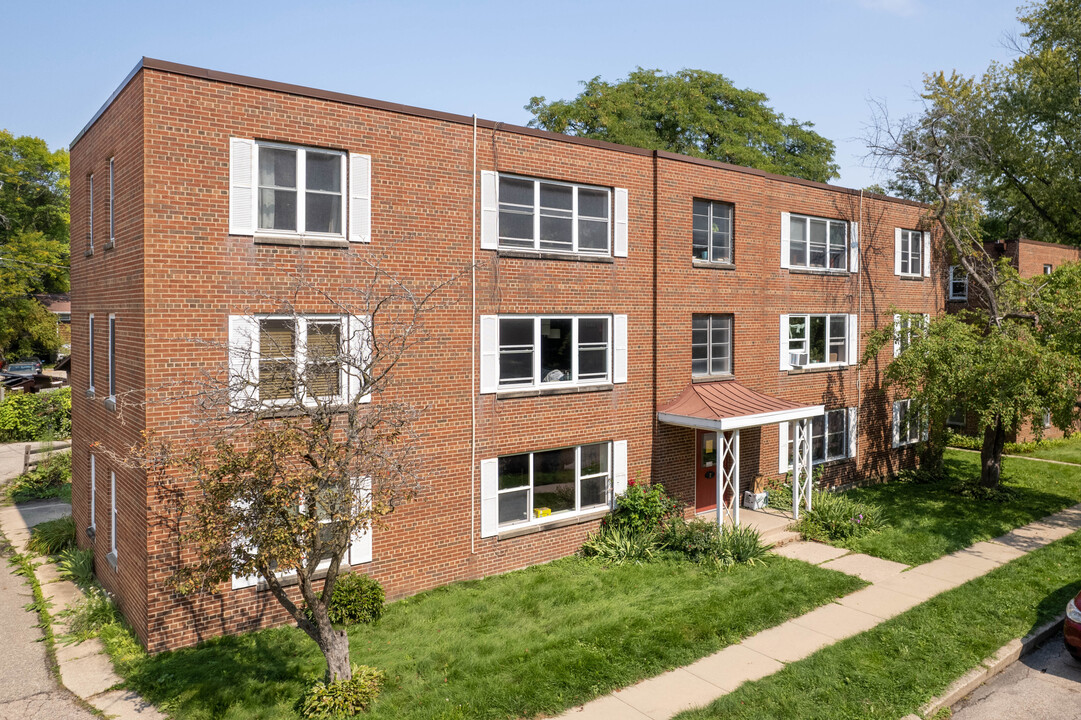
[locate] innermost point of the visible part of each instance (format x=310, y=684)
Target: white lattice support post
x=722, y=455
x=797, y=467
x=735, y=478
x=806, y=462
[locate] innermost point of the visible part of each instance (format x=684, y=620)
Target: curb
x=1002, y=659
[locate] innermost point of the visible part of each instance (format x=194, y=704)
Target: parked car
x=28, y=367
x=1072, y=628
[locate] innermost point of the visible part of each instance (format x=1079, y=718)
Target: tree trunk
x=994, y=439
x=335, y=647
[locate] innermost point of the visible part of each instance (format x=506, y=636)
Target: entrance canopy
x=726, y=405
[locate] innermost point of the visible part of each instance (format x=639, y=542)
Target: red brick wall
x=196, y=275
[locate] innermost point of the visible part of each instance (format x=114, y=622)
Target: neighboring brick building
x=630, y=305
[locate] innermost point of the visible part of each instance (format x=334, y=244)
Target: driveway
x=1045, y=685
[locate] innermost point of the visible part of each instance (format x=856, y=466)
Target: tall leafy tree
x=694, y=112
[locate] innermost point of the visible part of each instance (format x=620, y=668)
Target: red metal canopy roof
x=727, y=405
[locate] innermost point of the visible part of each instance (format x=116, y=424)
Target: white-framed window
x=93, y=492
x=957, y=419
x=300, y=190
x=112, y=356
x=818, y=340
x=711, y=345
x=546, y=351
x=90, y=213
x=909, y=426
x=554, y=216
x=1048, y=269
x=833, y=437
x=711, y=233
x=817, y=243
x=905, y=327
x=958, y=285
x=536, y=486
x=112, y=515
x=910, y=252
x=1046, y=418
x=90, y=353
x=112, y=201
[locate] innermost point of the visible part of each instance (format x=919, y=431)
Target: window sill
x=548, y=255
x=539, y=392
x=912, y=278
x=957, y=300
x=111, y=559
x=558, y=522
x=713, y=264
x=110, y=403
x=822, y=271
x=712, y=378
x=110, y=245
x=300, y=241
x=818, y=369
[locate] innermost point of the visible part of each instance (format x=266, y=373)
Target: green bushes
x=643, y=508
x=703, y=541
x=970, y=442
x=617, y=545
x=53, y=536
x=836, y=517
x=344, y=698
x=27, y=417
x=51, y=478
x=77, y=565
x=357, y=598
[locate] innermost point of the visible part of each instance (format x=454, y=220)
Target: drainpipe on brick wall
x=473, y=367
x=859, y=311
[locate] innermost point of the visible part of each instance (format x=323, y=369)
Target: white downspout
x=473, y=364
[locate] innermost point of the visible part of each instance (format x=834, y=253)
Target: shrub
x=77, y=565
x=344, y=698
x=703, y=541
x=94, y=613
x=744, y=545
x=780, y=493
x=48, y=480
x=618, y=545
x=643, y=509
x=53, y=536
x=26, y=417
x=836, y=517
x=357, y=598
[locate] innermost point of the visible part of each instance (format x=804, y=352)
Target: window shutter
x=243, y=361
x=786, y=241
x=783, y=465
x=896, y=335
x=241, y=186
x=897, y=251
x=784, y=343
x=926, y=253
x=853, y=339
x=619, y=350
x=853, y=431
x=489, y=497
x=360, y=550
x=360, y=198
x=853, y=247
x=489, y=353
x=619, y=468
x=238, y=581
x=926, y=323
x=358, y=346
x=896, y=424
x=489, y=210
x=621, y=240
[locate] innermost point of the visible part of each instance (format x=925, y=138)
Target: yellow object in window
x=542, y=512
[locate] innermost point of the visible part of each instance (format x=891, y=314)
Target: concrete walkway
x=894, y=588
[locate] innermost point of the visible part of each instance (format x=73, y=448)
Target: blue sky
x=817, y=60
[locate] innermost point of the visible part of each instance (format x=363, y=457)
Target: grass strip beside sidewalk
x=893, y=669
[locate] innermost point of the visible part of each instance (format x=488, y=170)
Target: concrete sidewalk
x=894, y=589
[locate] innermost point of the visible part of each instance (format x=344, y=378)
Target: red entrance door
x=705, y=487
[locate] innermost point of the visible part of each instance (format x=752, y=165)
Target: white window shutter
x=621, y=230
x=853, y=431
x=853, y=339
x=243, y=361
x=926, y=323
x=896, y=424
x=783, y=465
x=619, y=468
x=360, y=549
x=489, y=353
x=360, y=198
x=489, y=497
x=784, y=344
x=926, y=253
x=896, y=335
x=786, y=240
x=853, y=246
x=489, y=210
x=897, y=251
x=619, y=349
x=358, y=346
x=241, y=186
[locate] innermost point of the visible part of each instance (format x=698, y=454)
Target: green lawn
x=535, y=641
x=930, y=520
x=893, y=669
x=1068, y=450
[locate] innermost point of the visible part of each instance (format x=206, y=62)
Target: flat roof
x=302, y=91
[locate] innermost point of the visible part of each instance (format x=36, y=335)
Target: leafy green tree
x=693, y=112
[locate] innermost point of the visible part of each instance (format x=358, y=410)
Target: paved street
x=1046, y=685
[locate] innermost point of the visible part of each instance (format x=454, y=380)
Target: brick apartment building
x=637, y=314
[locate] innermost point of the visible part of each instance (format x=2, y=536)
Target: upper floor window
x=909, y=252
x=90, y=212
x=112, y=357
x=817, y=340
x=300, y=189
x=711, y=345
x=112, y=200
x=553, y=216
x=538, y=351
x=90, y=353
x=958, y=285
x=905, y=327
x=1048, y=269
x=817, y=243
x=711, y=235
x=538, y=485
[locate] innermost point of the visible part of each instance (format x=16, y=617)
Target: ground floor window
x=829, y=437
x=956, y=419
x=908, y=425
x=537, y=485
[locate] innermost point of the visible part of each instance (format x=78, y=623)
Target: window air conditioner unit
x=797, y=360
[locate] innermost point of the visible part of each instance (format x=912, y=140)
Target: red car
x=1072, y=628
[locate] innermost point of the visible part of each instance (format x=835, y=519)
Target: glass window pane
x=700, y=244
x=515, y=350
x=515, y=331
x=592, y=235
x=276, y=359
x=593, y=330
x=514, y=471
x=323, y=171
x=797, y=327
x=323, y=369
x=798, y=241
x=553, y=481
x=592, y=203
x=818, y=339
x=277, y=209
x=513, y=507
x=838, y=255
x=556, y=233
x=516, y=228
x=818, y=439
x=556, y=345
x=277, y=167
x=323, y=213
x=556, y=197
x=817, y=244
x=592, y=364
x=594, y=491
x=594, y=459
x=515, y=191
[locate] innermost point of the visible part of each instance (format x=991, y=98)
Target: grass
x=534, y=641
x=927, y=521
x=893, y=669
x=1064, y=450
